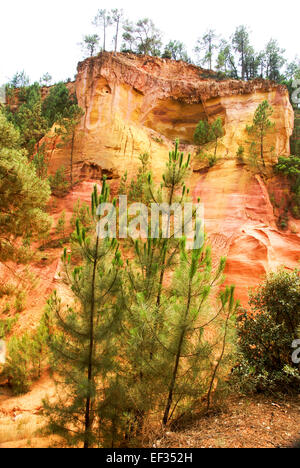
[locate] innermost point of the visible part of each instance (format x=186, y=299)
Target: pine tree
x=261, y=126
x=103, y=19
x=240, y=43
x=176, y=50
x=142, y=37
x=57, y=104
x=188, y=353
x=206, y=44
x=216, y=131
x=83, y=337
x=89, y=44
x=61, y=225
x=117, y=17
x=23, y=197
x=29, y=119
x=206, y=133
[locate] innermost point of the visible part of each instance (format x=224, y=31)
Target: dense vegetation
x=266, y=334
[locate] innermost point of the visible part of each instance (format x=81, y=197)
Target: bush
x=240, y=154
x=59, y=183
x=6, y=326
x=26, y=359
x=290, y=167
x=266, y=333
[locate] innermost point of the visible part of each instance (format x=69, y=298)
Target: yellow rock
x=137, y=104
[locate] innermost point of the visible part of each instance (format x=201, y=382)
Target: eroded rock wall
x=141, y=104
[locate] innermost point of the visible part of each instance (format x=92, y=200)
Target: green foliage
x=60, y=228
x=290, y=167
x=67, y=131
x=58, y=103
x=82, y=212
x=40, y=162
x=206, y=133
x=176, y=50
x=6, y=325
x=23, y=197
x=103, y=19
x=142, y=37
x=206, y=45
x=168, y=364
x=26, y=358
x=202, y=133
x=136, y=190
x=20, y=80
x=240, y=154
x=261, y=126
x=29, y=119
x=90, y=44
x=59, y=183
x=266, y=333
x=46, y=79
x=84, y=336
x=273, y=60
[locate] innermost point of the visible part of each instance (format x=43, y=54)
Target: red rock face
x=240, y=224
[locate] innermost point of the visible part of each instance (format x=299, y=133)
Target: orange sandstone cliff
x=136, y=104
x=139, y=104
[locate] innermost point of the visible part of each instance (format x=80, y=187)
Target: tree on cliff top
x=89, y=44
x=116, y=18
x=103, y=19
x=142, y=37
x=206, y=45
x=23, y=197
x=261, y=126
x=176, y=50
x=240, y=43
x=274, y=60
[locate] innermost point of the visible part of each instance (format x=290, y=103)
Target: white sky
x=41, y=37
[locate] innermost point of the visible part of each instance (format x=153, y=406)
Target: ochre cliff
x=136, y=104
x=141, y=104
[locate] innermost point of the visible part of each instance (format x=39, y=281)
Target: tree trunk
x=262, y=149
x=116, y=39
x=175, y=371
x=91, y=349
x=216, y=146
x=71, y=160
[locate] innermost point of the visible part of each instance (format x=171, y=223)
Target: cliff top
x=174, y=78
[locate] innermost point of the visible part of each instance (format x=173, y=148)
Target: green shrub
x=290, y=167
x=59, y=183
x=266, y=333
x=6, y=326
x=212, y=160
x=240, y=154
x=26, y=359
